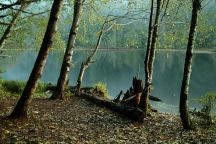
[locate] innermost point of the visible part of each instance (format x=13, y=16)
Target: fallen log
x=133, y=113
x=51, y=87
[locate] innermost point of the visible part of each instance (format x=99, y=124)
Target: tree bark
x=79, y=79
x=65, y=68
x=150, y=56
x=20, y=110
x=86, y=64
x=183, y=107
x=144, y=99
x=12, y=24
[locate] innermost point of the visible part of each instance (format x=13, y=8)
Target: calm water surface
x=117, y=69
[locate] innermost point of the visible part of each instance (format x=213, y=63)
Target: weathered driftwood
x=127, y=106
x=133, y=113
x=133, y=95
x=90, y=60
x=86, y=64
x=153, y=98
x=118, y=97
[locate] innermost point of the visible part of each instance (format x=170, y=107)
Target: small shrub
x=100, y=89
x=41, y=87
x=68, y=93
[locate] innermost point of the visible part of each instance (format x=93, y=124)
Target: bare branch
x=18, y=2
x=6, y=6
x=35, y=14
x=165, y=11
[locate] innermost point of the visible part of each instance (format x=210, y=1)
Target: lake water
x=117, y=68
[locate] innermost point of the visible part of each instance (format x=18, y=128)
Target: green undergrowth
x=16, y=87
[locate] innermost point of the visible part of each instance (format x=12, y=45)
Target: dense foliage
x=130, y=25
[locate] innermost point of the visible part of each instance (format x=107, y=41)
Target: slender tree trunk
x=79, y=79
x=183, y=107
x=154, y=40
x=65, y=68
x=144, y=99
x=146, y=61
x=86, y=64
x=12, y=24
x=149, y=60
x=20, y=110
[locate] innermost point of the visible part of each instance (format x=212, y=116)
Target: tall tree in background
x=65, y=68
x=183, y=107
x=150, y=56
x=20, y=110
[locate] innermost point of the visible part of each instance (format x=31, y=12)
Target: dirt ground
x=76, y=120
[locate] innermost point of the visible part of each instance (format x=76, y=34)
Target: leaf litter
x=76, y=120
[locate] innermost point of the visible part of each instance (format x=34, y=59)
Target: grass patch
x=13, y=86
x=100, y=89
x=16, y=87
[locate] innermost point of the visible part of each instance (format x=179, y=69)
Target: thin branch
x=5, y=6
x=18, y=2
x=35, y=14
x=3, y=16
x=178, y=8
x=6, y=24
x=165, y=11
x=27, y=12
x=4, y=56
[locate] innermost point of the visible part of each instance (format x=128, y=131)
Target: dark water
x=117, y=69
